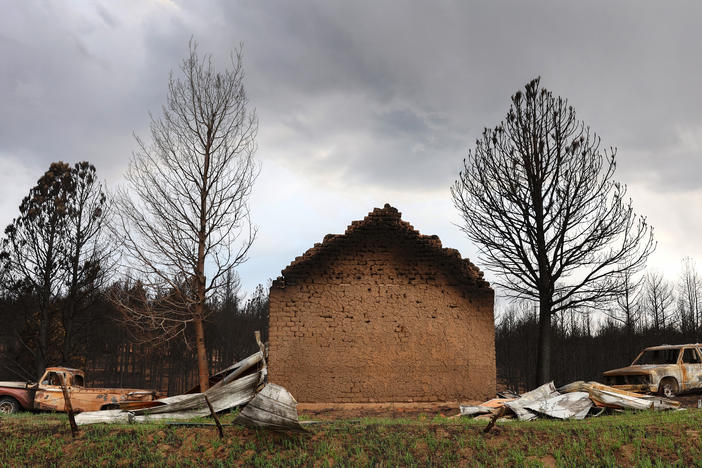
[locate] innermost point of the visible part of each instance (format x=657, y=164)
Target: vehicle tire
x=9, y=405
x=668, y=387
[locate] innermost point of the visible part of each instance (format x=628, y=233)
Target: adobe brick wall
x=382, y=314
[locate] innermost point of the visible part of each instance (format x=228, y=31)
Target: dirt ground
x=410, y=410
x=689, y=400
x=377, y=410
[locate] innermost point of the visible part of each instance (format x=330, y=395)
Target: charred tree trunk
x=203, y=373
x=543, y=356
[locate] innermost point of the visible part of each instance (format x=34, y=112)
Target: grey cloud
x=364, y=94
x=630, y=69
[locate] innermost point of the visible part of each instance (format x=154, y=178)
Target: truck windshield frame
x=657, y=357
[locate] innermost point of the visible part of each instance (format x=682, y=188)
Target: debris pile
x=573, y=401
x=267, y=405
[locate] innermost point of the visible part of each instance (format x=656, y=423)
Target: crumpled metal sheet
x=222, y=398
x=104, y=416
x=272, y=408
x=190, y=406
x=474, y=410
x=575, y=405
x=233, y=390
x=610, y=397
x=519, y=406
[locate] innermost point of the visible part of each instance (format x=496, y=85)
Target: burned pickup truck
x=47, y=395
x=665, y=369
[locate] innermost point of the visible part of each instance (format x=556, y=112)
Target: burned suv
x=665, y=369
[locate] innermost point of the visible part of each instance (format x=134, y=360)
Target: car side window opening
x=52, y=378
x=690, y=356
x=78, y=381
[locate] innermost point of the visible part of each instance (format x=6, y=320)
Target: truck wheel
x=668, y=387
x=9, y=405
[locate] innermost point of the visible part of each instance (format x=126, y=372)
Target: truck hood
x=14, y=384
x=638, y=370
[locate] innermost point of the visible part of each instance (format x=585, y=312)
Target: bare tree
x=184, y=217
x=627, y=306
x=537, y=196
x=657, y=298
x=689, y=297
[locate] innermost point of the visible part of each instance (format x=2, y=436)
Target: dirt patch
x=334, y=411
x=547, y=460
x=689, y=400
x=625, y=454
x=160, y=435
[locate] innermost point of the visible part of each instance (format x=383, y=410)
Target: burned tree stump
x=494, y=419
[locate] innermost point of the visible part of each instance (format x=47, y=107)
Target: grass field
x=633, y=439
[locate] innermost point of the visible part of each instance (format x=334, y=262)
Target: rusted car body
x=47, y=395
x=14, y=396
x=665, y=369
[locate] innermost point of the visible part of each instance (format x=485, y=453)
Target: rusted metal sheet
x=610, y=397
x=272, y=408
x=498, y=402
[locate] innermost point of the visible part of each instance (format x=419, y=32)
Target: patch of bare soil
x=385, y=410
x=689, y=400
x=625, y=454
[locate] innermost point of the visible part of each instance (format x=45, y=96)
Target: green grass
x=645, y=439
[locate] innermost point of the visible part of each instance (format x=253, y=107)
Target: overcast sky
x=362, y=103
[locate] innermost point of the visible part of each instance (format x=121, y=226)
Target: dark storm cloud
x=630, y=69
x=387, y=94
x=363, y=97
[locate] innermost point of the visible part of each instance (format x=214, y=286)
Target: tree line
x=110, y=351
x=588, y=341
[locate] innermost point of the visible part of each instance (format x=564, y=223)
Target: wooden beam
x=69, y=406
x=214, y=416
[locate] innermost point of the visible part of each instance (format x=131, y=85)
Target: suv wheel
x=668, y=387
x=8, y=405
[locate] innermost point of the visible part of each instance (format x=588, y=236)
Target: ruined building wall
x=382, y=314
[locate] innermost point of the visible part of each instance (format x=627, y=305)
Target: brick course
x=382, y=314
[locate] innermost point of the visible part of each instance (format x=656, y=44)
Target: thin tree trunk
x=202, y=367
x=543, y=356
